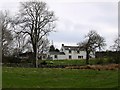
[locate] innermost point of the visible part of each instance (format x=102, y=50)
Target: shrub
x=51, y=62
x=99, y=61
x=113, y=60
x=43, y=63
x=18, y=65
x=11, y=59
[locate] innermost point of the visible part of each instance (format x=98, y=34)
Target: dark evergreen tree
x=52, y=48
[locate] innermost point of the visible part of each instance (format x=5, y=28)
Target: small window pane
x=70, y=57
x=55, y=56
x=69, y=51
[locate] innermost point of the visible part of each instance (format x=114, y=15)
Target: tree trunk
x=36, y=58
x=35, y=61
x=87, y=57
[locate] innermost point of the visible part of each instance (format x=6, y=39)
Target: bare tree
x=44, y=45
x=21, y=44
x=92, y=42
x=7, y=36
x=36, y=21
x=116, y=45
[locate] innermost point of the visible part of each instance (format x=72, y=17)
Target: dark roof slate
x=72, y=48
x=57, y=53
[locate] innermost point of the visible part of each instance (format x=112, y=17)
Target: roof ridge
x=71, y=46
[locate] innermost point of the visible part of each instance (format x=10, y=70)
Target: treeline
x=110, y=56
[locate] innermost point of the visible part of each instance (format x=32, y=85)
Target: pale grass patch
x=96, y=67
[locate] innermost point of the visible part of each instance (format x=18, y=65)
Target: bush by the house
x=10, y=59
x=43, y=63
x=100, y=61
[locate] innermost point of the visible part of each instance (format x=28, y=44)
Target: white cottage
x=68, y=52
x=56, y=55
x=73, y=52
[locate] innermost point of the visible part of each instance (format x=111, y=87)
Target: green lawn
x=0, y=76
x=74, y=62
x=58, y=78
x=65, y=62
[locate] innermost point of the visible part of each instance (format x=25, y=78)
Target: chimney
x=63, y=45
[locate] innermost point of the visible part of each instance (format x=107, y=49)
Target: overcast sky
x=76, y=18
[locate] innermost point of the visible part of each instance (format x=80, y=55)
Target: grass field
x=75, y=62
x=65, y=62
x=58, y=78
x=0, y=76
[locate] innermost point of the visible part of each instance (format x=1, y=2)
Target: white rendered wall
x=59, y=57
x=74, y=54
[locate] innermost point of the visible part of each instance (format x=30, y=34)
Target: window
x=82, y=56
x=70, y=57
x=78, y=51
x=79, y=57
x=55, y=56
x=69, y=51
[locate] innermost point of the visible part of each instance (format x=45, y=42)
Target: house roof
x=56, y=53
x=73, y=48
x=42, y=54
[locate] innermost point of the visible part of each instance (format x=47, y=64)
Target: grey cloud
x=108, y=14
x=69, y=32
x=76, y=19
